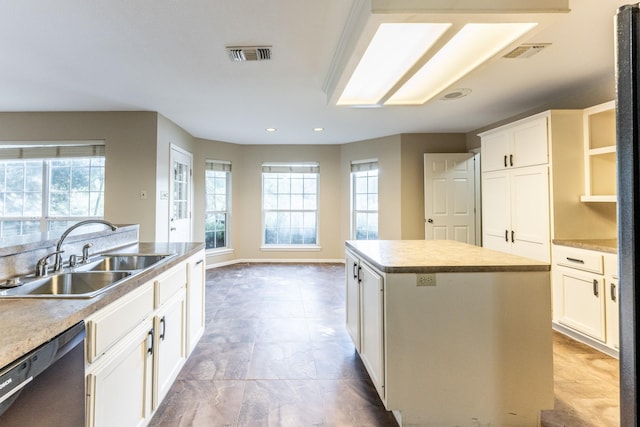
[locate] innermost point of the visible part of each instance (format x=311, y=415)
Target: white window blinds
x=364, y=165
x=50, y=151
x=310, y=167
x=218, y=166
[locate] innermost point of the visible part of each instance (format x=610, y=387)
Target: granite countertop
x=29, y=322
x=438, y=256
x=602, y=245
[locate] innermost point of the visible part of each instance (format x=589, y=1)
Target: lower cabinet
x=365, y=317
x=119, y=384
x=585, y=296
x=195, y=299
x=137, y=345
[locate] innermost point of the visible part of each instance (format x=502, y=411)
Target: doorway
x=180, y=195
x=450, y=197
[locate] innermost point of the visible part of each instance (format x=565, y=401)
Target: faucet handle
x=42, y=266
x=85, y=252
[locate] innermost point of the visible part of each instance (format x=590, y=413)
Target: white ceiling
x=169, y=56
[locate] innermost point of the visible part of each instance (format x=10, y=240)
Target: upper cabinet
x=522, y=144
x=600, y=153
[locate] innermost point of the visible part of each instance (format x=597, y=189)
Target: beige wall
x=130, y=145
x=413, y=147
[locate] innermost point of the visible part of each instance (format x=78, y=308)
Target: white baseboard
x=275, y=261
x=585, y=340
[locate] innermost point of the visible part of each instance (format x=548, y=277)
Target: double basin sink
x=86, y=280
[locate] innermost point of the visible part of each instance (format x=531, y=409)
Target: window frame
x=220, y=166
x=359, y=166
x=45, y=153
x=291, y=168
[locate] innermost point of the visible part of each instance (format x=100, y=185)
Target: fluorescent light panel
x=470, y=47
x=393, y=50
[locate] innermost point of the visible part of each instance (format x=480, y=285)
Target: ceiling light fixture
x=406, y=52
x=270, y=129
x=318, y=129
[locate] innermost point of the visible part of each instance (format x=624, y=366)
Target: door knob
x=430, y=221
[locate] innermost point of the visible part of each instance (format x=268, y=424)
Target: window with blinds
x=290, y=203
x=217, y=205
x=49, y=186
x=364, y=200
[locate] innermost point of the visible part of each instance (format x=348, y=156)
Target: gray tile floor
x=274, y=353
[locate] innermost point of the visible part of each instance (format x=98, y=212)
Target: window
x=364, y=200
x=217, y=215
x=45, y=188
x=290, y=204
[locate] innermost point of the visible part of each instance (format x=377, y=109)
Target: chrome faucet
x=42, y=266
x=58, y=262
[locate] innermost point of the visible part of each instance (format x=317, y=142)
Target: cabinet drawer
x=113, y=322
x=169, y=283
x=579, y=259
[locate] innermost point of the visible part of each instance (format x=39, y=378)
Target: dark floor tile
x=230, y=330
x=338, y=360
x=200, y=404
x=327, y=330
x=293, y=403
x=209, y=361
x=282, y=330
x=282, y=361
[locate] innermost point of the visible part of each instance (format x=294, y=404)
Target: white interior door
x=180, y=205
x=449, y=196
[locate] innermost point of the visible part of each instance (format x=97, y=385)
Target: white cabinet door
x=581, y=302
x=119, y=385
x=170, y=326
x=495, y=151
x=372, y=321
x=195, y=300
x=352, y=271
x=496, y=210
x=613, y=313
x=515, y=212
x=525, y=143
x=529, y=144
x=530, y=229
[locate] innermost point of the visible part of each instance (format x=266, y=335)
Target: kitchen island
x=452, y=334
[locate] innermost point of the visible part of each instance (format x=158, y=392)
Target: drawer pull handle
x=613, y=292
x=506, y=235
x=163, y=328
x=595, y=287
x=505, y=160
x=150, y=342
x=579, y=261
x=513, y=240
x=511, y=159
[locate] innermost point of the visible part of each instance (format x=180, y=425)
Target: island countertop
x=438, y=256
x=30, y=322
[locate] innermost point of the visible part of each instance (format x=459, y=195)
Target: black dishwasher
x=45, y=387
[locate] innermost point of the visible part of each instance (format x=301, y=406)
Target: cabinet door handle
x=163, y=327
x=150, y=342
x=513, y=239
x=354, y=270
x=579, y=261
x=200, y=261
x=595, y=287
x=612, y=287
x=506, y=235
x=358, y=276
x=511, y=159
x=505, y=160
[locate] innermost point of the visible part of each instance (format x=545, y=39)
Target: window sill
x=218, y=252
x=291, y=248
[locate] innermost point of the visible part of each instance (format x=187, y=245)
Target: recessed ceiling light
x=318, y=129
x=271, y=129
x=454, y=94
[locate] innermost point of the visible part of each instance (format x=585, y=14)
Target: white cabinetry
x=365, y=316
x=585, y=296
x=515, y=211
x=519, y=145
x=137, y=345
x=352, y=269
x=372, y=325
x=600, y=153
x=195, y=300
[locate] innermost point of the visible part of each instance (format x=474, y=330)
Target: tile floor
x=275, y=353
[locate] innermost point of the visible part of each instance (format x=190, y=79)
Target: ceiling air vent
x=249, y=53
x=526, y=50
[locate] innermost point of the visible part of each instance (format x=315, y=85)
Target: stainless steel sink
x=119, y=262
x=76, y=284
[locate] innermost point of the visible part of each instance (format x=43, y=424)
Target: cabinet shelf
x=600, y=153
